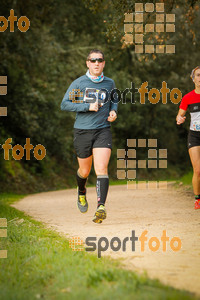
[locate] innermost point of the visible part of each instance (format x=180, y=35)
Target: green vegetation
x=42, y=62
x=40, y=265
x=187, y=179
x=186, y=182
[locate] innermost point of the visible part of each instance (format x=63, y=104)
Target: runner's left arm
x=114, y=101
x=113, y=106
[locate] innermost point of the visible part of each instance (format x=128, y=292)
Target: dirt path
x=153, y=210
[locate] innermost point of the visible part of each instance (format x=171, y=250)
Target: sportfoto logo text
x=23, y=22
x=39, y=151
x=116, y=244
x=154, y=95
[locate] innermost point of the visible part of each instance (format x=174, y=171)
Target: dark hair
x=95, y=51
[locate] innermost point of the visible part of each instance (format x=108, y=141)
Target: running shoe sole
x=99, y=216
x=83, y=209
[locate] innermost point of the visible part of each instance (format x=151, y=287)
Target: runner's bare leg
x=85, y=165
x=194, y=153
x=101, y=160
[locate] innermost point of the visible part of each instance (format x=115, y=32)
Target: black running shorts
x=193, y=138
x=87, y=139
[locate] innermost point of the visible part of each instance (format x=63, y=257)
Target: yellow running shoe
x=82, y=203
x=100, y=214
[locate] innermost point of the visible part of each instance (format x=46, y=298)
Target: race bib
x=196, y=125
x=94, y=95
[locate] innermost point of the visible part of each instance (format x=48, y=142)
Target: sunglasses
x=93, y=60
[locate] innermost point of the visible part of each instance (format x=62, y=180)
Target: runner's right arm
x=180, y=118
x=69, y=102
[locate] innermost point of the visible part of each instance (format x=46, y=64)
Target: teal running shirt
x=86, y=119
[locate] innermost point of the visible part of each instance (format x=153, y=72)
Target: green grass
x=117, y=182
x=40, y=265
x=187, y=178
x=123, y=182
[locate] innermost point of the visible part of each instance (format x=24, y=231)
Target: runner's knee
x=84, y=172
x=101, y=169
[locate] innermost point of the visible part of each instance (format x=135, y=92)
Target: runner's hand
x=112, y=116
x=94, y=107
x=180, y=120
